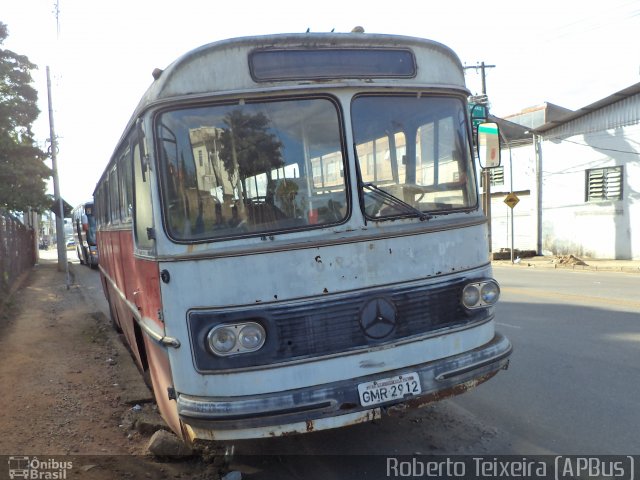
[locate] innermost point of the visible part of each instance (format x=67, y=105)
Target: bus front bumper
x=337, y=404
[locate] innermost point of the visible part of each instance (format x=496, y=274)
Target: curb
x=555, y=266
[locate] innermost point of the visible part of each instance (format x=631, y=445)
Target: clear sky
x=101, y=54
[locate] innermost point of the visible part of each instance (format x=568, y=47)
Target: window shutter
x=604, y=184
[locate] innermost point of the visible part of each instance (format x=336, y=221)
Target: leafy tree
x=23, y=173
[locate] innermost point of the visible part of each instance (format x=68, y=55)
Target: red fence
x=17, y=252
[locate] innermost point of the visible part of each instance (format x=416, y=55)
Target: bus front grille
x=332, y=324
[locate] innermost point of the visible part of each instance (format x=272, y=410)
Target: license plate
x=388, y=389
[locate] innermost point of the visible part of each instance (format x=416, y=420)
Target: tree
x=23, y=173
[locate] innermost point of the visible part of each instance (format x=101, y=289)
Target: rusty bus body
x=290, y=235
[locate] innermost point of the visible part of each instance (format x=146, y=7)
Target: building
x=577, y=177
x=590, y=164
x=534, y=117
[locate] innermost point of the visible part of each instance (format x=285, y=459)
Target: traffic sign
x=479, y=114
x=511, y=200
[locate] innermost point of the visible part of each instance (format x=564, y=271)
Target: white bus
x=291, y=239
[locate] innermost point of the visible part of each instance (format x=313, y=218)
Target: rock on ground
x=165, y=444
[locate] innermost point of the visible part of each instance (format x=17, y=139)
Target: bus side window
x=143, y=213
x=126, y=186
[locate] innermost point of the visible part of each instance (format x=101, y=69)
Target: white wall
x=523, y=224
x=601, y=229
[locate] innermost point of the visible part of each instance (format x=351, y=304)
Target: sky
x=101, y=54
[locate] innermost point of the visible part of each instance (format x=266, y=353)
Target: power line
x=630, y=152
x=482, y=66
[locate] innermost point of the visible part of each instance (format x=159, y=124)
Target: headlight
x=489, y=292
x=252, y=337
x=222, y=340
x=480, y=294
x=231, y=339
x=470, y=295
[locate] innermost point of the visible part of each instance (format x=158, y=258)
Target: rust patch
x=310, y=426
x=369, y=416
x=400, y=409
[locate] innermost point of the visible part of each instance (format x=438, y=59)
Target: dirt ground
x=63, y=394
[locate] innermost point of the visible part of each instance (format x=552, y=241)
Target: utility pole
x=61, y=244
x=483, y=73
x=537, y=147
x=486, y=172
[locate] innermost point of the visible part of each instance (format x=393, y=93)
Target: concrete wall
x=571, y=224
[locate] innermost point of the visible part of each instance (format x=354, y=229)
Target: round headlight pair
x=480, y=294
x=231, y=339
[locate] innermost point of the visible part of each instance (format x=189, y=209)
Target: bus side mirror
x=489, y=145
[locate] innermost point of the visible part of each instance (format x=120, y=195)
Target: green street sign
x=478, y=112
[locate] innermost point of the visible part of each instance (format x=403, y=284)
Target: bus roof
x=223, y=67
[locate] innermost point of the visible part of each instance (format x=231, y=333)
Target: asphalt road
x=573, y=383
x=572, y=387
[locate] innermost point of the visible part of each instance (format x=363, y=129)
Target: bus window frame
x=217, y=101
x=136, y=143
x=114, y=195
x=259, y=76
x=124, y=165
x=470, y=160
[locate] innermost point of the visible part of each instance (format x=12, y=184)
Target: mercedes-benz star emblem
x=378, y=318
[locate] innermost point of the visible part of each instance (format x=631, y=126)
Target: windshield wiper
x=386, y=196
x=395, y=201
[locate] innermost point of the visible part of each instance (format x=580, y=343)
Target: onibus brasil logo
x=33, y=468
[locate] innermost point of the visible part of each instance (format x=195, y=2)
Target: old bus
x=84, y=234
x=290, y=235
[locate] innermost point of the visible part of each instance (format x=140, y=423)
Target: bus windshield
x=251, y=168
x=413, y=155
x=91, y=229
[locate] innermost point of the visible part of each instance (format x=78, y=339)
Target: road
x=572, y=387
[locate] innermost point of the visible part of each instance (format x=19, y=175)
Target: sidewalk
x=71, y=390
x=569, y=262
